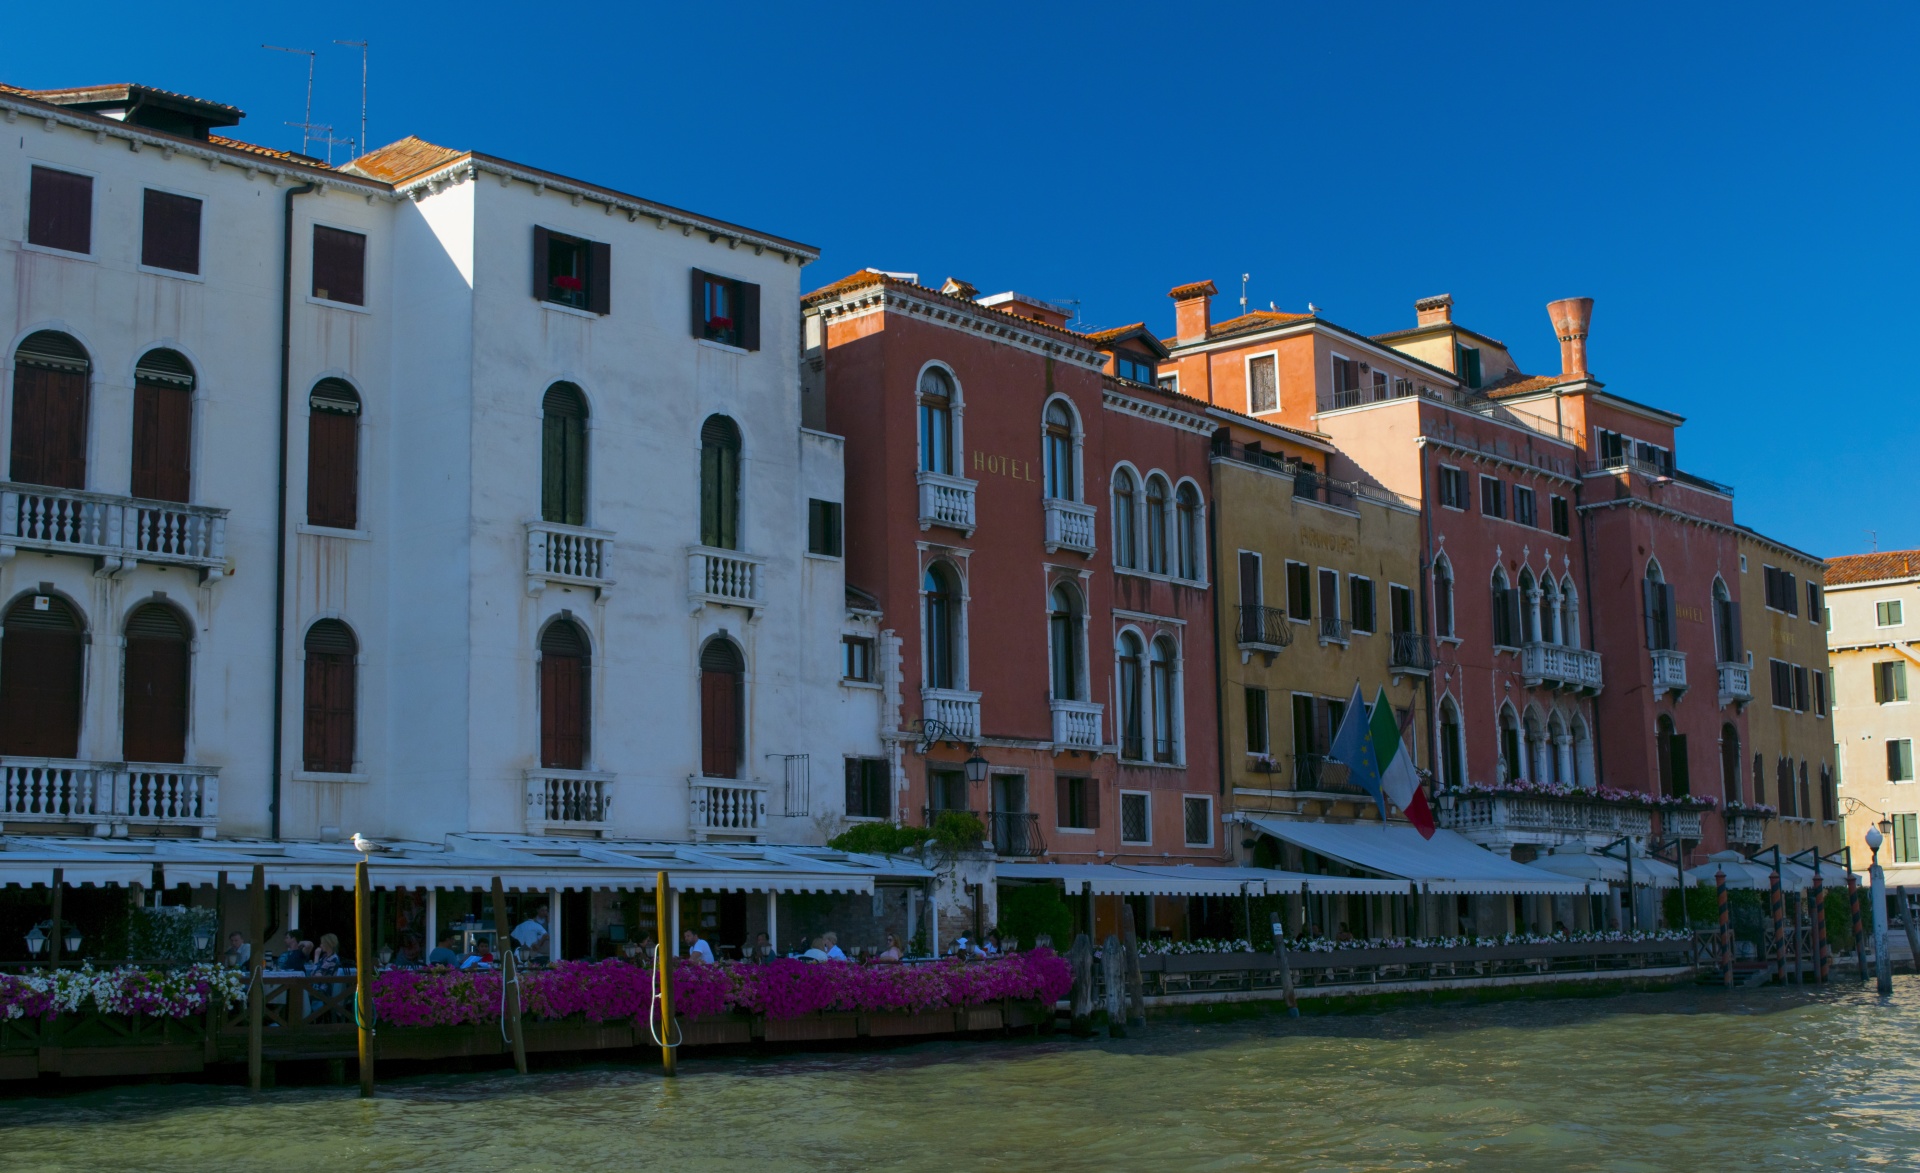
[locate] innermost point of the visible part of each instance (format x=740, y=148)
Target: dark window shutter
x=599, y=277
x=1063, y=803
x=542, y=243
x=155, y=682
x=49, y=425
x=749, y=316
x=41, y=657
x=162, y=442
x=856, y=791
x=60, y=211
x=1669, y=613
x=333, y=469
x=170, y=232
x=1790, y=592
x=339, y=265
x=1092, y=788
x=719, y=723
x=1648, y=588
x=697, y=304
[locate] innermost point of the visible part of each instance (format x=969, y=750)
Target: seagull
x=364, y=845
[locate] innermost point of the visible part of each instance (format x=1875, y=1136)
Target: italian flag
x=1398, y=780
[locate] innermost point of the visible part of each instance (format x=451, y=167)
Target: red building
x=1029, y=512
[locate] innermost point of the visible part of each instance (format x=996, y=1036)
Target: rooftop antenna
x=333, y=142
x=306, y=127
x=1075, y=303
x=1244, y=277
x=1873, y=540
x=362, y=46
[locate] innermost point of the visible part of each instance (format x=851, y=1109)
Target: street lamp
x=71, y=939
x=202, y=937
x=36, y=940
x=1882, y=964
x=975, y=767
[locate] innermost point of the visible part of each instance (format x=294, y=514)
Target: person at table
x=326, y=958
x=832, y=942
x=294, y=956
x=239, y=953
x=476, y=957
x=408, y=954
x=892, y=951
x=1344, y=935
x=531, y=935
x=991, y=947
x=698, y=951
x=816, y=951
x=444, y=953
x=761, y=951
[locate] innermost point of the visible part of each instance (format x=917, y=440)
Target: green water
x=1685, y=1081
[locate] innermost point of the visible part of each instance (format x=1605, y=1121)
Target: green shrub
x=959, y=830
x=877, y=839
x=1029, y=911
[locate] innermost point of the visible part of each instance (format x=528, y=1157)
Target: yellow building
x=1874, y=641
x=1789, y=761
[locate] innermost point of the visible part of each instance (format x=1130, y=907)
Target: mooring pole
x=364, y=954
x=1726, y=928
x=1777, y=904
x=256, y=962
x=1817, y=913
x=53, y=943
x=1913, y=934
x=664, y=974
x=509, y=975
x=1882, y=964
x=1286, y=969
x=1859, y=933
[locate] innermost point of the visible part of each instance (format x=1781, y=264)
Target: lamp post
x=1882, y=968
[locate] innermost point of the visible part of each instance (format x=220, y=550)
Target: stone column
x=1563, y=760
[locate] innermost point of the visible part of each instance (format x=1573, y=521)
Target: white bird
x=364, y=845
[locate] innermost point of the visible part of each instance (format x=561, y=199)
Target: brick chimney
x=1434, y=311
x=1192, y=311
x=1571, y=317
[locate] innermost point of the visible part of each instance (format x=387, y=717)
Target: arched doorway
x=722, y=685
x=565, y=668
x=154, y=686
x=42, y=650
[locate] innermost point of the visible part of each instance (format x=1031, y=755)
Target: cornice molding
x=1162, y=413
x=1470, y=452
x=881, y=298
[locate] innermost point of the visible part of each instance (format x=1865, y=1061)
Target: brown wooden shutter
x=60, y=211
x=162, y=442
x=49, y=427
x=749, y=311
x=330, y=699
x=542, y=245
x=599, y=277
x=719, y=723
x=41, y=655
x=170, y=232
x=565, y=675
x=1091, y=788
x=339, y=265
x=155, y=682
x=698, y=304
x=1063, y=802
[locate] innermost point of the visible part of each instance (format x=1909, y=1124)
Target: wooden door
x=719, y=723
x=162, y=441
x=49, y=427
x=563, y=711
x=155, y=683
x=41, y=654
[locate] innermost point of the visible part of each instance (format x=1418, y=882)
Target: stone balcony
x=109, y=798
x=1736, y=683
x=568, y=554
x=116, y=532
x=1558, y=666
x=1070, y=526
x=569, y=801
x=1076, y=726
x=1669, y=670
x=1503, y=821
x=727, y=808
x=946, y=500
x=1747, y=828
x=956, y=711
x=725, y=577
x=1679, y=824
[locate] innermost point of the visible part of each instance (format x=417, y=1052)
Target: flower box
x=890, y=1026
x=810, y=1028
x=706, y=1030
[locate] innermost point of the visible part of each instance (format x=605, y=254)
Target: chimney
x=1192, y=311
x=1434, y=311
x=1571, y=316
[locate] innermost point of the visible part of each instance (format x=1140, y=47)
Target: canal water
x=1678, y=1080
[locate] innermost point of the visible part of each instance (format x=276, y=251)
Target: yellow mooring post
x=509, y=975
x=664, y=974
x=363, y=955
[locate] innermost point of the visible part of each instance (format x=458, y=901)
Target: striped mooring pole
x=1859, y=939
x=1726, y=928
x=1778, y=906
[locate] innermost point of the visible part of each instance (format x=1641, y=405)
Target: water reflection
x=1666, y=1081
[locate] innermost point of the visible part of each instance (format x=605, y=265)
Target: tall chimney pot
x=1571, y=317
x=1434, y=311
x=1192, y=310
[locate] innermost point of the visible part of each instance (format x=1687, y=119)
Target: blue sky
x=1735, y=187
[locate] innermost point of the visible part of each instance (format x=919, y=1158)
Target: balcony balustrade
x=109, y=798
x=1322, y=775
x=568, y=800
x=1736, y=683
x=1676, y=824
x=1746, y=828
x=1539, y=818
x=116, y=531
x=725, y=577
x=946, y=500
x=1262, y=629
x=1076, y=725
x=1669, y=670
x=727, y=808
x=1016, y=834
x=1070, y=526
x=958, y=712
x=569, y=554
x=1410, y=652
x=1559, y=666
x=1334, y=630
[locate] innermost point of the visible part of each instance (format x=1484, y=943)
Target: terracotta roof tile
x=398, y=161
x=866, y=277
x=1257, y=320
x=1877, y=567
x=1515, y=383
x=1192, y=289
x=220, y=140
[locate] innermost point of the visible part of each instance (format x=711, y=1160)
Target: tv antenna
x=362, y=46
x=333, y=142
x=306, y=127
x=1873, y=540
x=1244, y=278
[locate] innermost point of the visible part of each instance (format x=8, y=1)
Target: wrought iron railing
x=1264, y=627
x=1016, y=833
x=1410, y=652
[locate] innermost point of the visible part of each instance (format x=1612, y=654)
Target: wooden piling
x=663, y=972
x=1777, y=905
x=1136, y=992
x=1112, y=963
x=363, y=959
x=256, y=963
x=509, y=975
x=1726, y=927
x=1081, y=1003
x=1859, y=939
x=1797, y=906
x=1913, y=933
x=1817, y=924
x=53, y=942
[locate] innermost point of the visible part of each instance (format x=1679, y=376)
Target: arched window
x=1453, y=766
x=1187, y=532
x=154, y=682
x=1133, y=732
x=1559, y=748
x=722, y=708
x=1726, y=626
x=936, y=421
x=1551, y=627
x=1062, y=472
x=1760, y=778
x=942, y=628
x=162, y=430
x=566, y=677
x=1166, y=726
x=1806, y=796
x=563, y=455
x=1783, y=782
x=333, y=455
x=1063, y=639
x=1539, y=756
x=1529, y=608
x=1512, y=757
x=1730, y=761
x=1156, y=525
x=50, y=412
x=42, y=647
x=720, y=483
x=1443, y=596
x=1506, y=612
x=1126, y=549
x=1671, y=747
x=1585, y=770
x=1657, y=607
x=1569, y=613
x=327, y=741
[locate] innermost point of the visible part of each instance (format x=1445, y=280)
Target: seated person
x=531, y=935
x=294, y=956
x=892, y=951
x=760, y=951
x=832, y=942
x=445, y=952
x=817, y=951
x=697, y=949
x=238, y=953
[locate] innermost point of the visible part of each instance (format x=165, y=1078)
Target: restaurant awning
x=1447, y=863
x=1745, y=873
x=1581, y=862
x=1114, y=879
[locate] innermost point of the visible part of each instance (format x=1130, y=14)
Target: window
x=563, y=455
x=1506, y=612
x=1889, y=682
x=1360, y=592
x=1782, y=593
x=1137, y=367
x=1132, y=718
x=1060, y=467
x=1726, y=625
x=823, y=528
x=1263, y=384
x=154, y=686
x=1783, y=785
x=1063, y=643
x=1562, y=517
x=49, y=445
x=1889, y=613
x=1656, y=601
x=1819, y=692
x=1346, y=382
x=1186, y=532
x=170, y=232
x=1467, y=364
x=1329, y=601
x=1166, y=727
x=565, y=693
x=1382, y=388
x=1257, y=737
x=1079, y=803
x=1802, y=693
x=1451, y=763
x=1453, y=487
x=1523, y=505
x=720, y=483
x=1156, y=525
x=1671, y=748
x=1493, y=497
x=60, y=211
x=726, y=311
x=1780, y=677
x=936, y=421
x=42, y=662
x=1814, y=607
x=946, y=791
x=856, y=658
x=1199, y=820
x=339, y=265
x=943, y=638
x=1136, y=821
x=867, y=788
x=333, y=455
x=1299, y=594
x=1170, y=384
x=1906, y=838
x=1443, y=598
x=723, y=677
x=570, y=271
x=327, y=739
x=1900, y=760
x=162, y=427
x=1126, y=549
x=1759, y=778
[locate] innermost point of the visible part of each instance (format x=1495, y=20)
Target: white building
x=556, y=555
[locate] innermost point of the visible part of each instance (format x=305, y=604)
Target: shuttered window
x=333, y=456
x=49, y=443
x=565, y=676
x=162, y=427
x=867, y=788
x=327, y=741
x=339, y=265
x=823, y=528
x=154, y=687
x=563, y=455
x=60, y=211
x=170, y=232
x=726, y=311
x=720, y=483
x=1078, y=803
x=1493, y=497
x=1360, y=603
x=722, y=683
x=1263, y=384
x=569, y=270
x=1299, y=594
x=41, y=651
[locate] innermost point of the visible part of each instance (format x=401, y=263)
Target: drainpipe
x=1219, y=662
x=280, y=518
x=1426, y=581
x=1593, y=636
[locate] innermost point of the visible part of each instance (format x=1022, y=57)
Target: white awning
x=1113, y=879
x=1583, y=863
x=1446, y=863
x=1757, y=874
